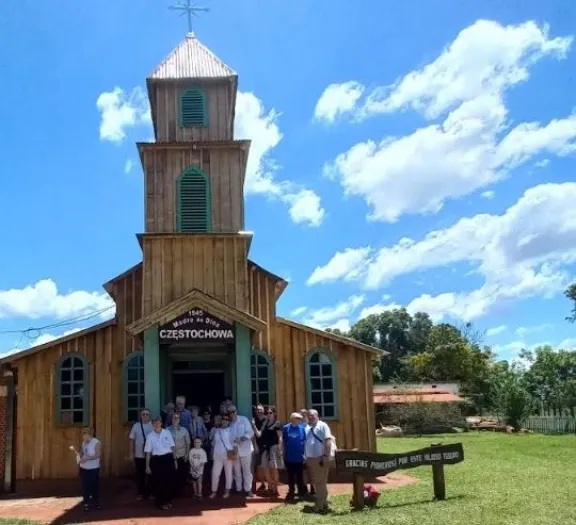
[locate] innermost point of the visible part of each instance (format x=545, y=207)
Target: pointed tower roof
x=191, y=59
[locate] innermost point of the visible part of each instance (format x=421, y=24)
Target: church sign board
x=196, y=326
x=372, y=464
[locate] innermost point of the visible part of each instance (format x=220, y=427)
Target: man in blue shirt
x=294, y=440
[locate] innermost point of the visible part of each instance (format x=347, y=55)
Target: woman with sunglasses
x=224, y=450
x=271, y=445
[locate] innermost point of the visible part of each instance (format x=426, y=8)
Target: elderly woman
x=160, y=463
x=181, y=449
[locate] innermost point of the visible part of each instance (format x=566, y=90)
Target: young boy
x=197, y=459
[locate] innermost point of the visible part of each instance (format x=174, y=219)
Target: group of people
x=186, y=446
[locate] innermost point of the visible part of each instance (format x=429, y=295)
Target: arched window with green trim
x=193, y=111
x=72, y=390
x=133, y=383
x=322, y=383
x=262, y=378
x=193, y=202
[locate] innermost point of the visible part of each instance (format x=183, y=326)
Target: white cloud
x=521, y=253
x=347, y=265
x=128, y=166
x=253, y=122
x=47, y=338
x=305, y=207
x=523, y=331
x=336, y=100
x=378, y=309
x=44, y=300
x=472, y=147
x=120, y=111
x=568, y=344
x=340, y=313
x=297, y=312
x=490, y=194
x=542, y=163
x=491, y=332
x=342, y=324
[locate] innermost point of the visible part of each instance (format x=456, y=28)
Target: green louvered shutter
x=193, y=203
x=193, y=109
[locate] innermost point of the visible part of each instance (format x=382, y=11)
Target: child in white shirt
x=197, y=459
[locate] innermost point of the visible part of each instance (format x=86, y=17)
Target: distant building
x=394, y=394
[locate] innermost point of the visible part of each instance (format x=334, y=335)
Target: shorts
x=271, y=458
x=197, y=474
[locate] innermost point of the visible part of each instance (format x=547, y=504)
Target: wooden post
x=358, y=492
x=438, y=478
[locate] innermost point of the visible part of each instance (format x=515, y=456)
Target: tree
x=570, y=293
x=551, y=378
x=512, y=400
x=396, y=332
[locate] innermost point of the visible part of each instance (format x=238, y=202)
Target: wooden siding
x=105, y=350
x=176, y=264
x=219, y=102
x=224, y=167
x=262, y=304
x=355, y=425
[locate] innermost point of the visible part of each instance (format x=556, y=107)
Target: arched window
x=72, y=390
x=262, y=378
x=193, y=109
x=193, y=202
x=133, y=386
x=322, y=383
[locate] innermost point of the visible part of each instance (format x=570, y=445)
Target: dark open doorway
x=200, y=388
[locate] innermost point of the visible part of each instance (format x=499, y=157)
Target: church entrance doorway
x=203, y=382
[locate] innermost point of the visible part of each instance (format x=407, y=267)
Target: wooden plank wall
x=224, y=166
x=219, y=99
x=262, y=293
x=213, y=264
x=105, y=349
x=355, y=425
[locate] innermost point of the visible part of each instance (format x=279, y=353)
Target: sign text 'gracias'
x=196, y=325
x=380, y=464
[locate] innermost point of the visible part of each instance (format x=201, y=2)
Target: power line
x=37, y=331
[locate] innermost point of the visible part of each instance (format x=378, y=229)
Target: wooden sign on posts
x=362, y=464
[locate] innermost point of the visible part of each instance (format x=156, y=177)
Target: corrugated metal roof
x=191, y=59
x=395, y=399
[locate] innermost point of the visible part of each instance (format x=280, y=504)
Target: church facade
x=197, y=317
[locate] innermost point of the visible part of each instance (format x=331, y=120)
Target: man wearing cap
x=242, y=434
x=294, y=441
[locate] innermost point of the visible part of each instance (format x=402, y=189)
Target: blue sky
x=403, y=154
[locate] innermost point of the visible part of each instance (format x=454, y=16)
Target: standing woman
x=160, y=463
x=181, y=439
x=224, y=451
x=90, y=469
x=271, y=457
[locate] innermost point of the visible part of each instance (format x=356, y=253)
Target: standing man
x=318, y=447
x=138, y=434
x=242, y=434
x=185, y=414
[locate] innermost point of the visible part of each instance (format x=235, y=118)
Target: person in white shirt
x=161, y=463
x=223, y=448
x=242, y=434
x=90, y=469
x=197, y=458
x=137, y=436
x=317, y=451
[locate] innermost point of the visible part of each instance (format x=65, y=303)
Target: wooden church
x=197, y=317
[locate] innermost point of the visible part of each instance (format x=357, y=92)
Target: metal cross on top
x=189, y=9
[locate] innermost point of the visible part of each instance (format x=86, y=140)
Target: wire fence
x=551, y=424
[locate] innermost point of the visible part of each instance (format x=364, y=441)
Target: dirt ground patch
x=57, y=502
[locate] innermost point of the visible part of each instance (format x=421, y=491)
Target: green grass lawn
x=526, y=479
x=16, y=521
